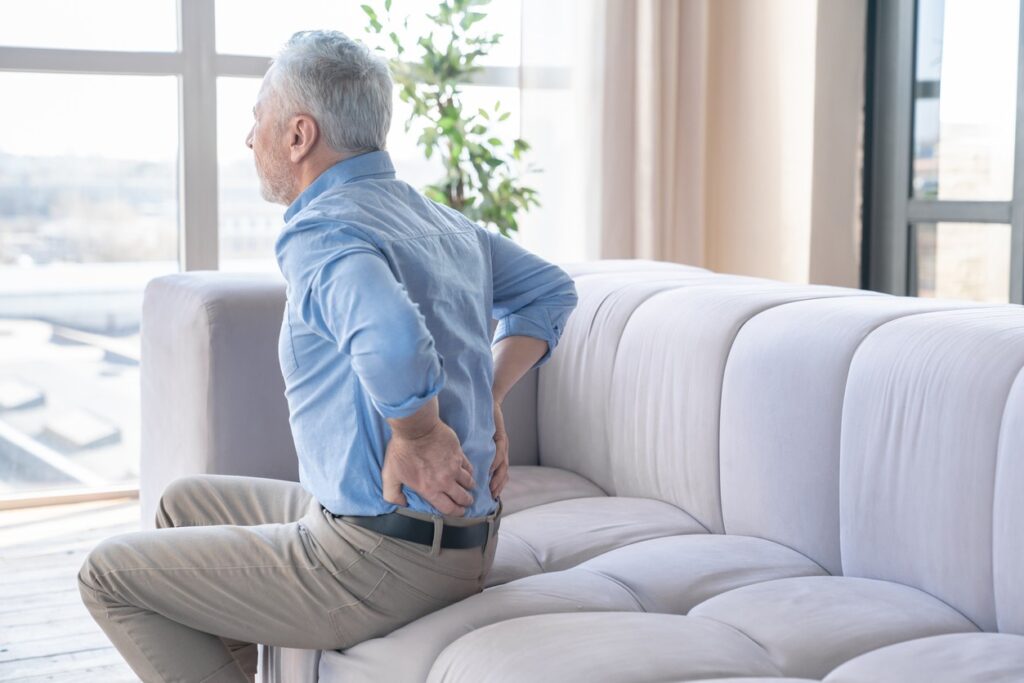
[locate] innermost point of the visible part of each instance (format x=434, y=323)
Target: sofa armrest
x=212, y=394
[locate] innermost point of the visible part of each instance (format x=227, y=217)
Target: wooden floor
x=46, y=634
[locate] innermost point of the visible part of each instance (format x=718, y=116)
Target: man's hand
x=499, y=468
x=433, y=465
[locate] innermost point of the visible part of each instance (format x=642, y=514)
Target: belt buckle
x=435, y=546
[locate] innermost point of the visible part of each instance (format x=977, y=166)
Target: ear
x=303, y=135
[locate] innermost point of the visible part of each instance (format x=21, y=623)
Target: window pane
x=260, y=27
x=88, y=215
x=249, y=225
x=965, y=99
x=964, y=261
x=150, y=26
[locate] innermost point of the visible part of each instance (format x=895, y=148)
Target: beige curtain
x=718, y=133
x=648, y=150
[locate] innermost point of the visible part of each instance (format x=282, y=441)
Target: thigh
x=269, y=583
x=208, y=499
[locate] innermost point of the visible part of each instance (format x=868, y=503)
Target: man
x=394, y=398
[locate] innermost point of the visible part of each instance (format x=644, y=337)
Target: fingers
x=392, y=488
x=446, y=506
x=467, y=465
x=465, y=479
x=459, y=495
x=499, y=479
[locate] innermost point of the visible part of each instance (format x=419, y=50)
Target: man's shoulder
x=315, y=234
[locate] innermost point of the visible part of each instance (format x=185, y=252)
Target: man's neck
x=313, y=166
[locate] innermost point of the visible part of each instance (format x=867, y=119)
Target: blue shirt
x=390, y=301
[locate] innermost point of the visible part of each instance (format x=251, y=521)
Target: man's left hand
x=499, y=468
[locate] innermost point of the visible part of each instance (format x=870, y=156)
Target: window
x=125, y=160
x=250, y=31
x=944, y=215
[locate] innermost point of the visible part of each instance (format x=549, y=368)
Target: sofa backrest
x=881, y=436
x=782, y=409
x=930, y=466
x=631, y=400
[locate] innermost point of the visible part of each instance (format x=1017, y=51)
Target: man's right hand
x=433, y=465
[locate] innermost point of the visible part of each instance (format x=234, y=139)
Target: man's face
x=269, y=142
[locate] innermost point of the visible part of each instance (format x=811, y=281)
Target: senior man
x=394, y=388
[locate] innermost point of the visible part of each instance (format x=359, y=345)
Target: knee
x=92, y=584
x=170, y=509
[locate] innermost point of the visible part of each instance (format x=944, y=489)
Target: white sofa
x=716, y=478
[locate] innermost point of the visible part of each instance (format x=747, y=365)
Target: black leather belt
x=421, y=530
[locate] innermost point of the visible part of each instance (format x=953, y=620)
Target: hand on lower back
x=499, y=468
x=434, y=466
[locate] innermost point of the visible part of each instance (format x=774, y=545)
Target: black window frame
x=888, y=247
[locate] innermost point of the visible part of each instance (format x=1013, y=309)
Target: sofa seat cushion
x=666, y=575
x=950, y=658
x=756, y=679
x=532, y=485
x=562, y=534
x=675, y=573
x=607, y=646
x=811, y=625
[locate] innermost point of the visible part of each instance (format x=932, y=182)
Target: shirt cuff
x=519, y=325
x=413, y=403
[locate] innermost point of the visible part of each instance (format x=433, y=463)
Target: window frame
x=198, y=65
x=889, y=249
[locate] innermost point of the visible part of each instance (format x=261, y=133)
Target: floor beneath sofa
x=46, y=634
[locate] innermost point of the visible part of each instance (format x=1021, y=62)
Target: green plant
x=482, y=179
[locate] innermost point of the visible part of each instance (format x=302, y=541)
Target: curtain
x=697, y=131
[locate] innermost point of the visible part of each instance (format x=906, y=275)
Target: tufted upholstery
x=730, y=478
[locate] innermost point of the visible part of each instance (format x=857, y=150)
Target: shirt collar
x=376, y=163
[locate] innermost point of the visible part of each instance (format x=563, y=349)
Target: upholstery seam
x=737, y=630
x=721, y=384
x=629, y=591
x=995, y=485
x=842, y=414
x=846, y=386
x=529, y=548
x=681, y=283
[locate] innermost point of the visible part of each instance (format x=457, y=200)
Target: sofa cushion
x=810, y=625
x=782, y=406
x=925, y=402
x=408, y=653
x=529, y=486
x=1007, y=539
x=605, y=646
x=573, y=387
x=665, y=395
x=951, y=658
x=675, y=573
x=562, y=534
x=755, y=679
x=667, y=574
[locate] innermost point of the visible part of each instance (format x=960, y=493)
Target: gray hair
x=341, y=83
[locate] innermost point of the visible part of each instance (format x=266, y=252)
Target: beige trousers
x=236, y=561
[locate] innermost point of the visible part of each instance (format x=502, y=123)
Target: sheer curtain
x=718, y=133
x=618, y=128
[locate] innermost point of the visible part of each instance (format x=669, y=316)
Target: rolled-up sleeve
x=532, y=297
x=351, y=298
